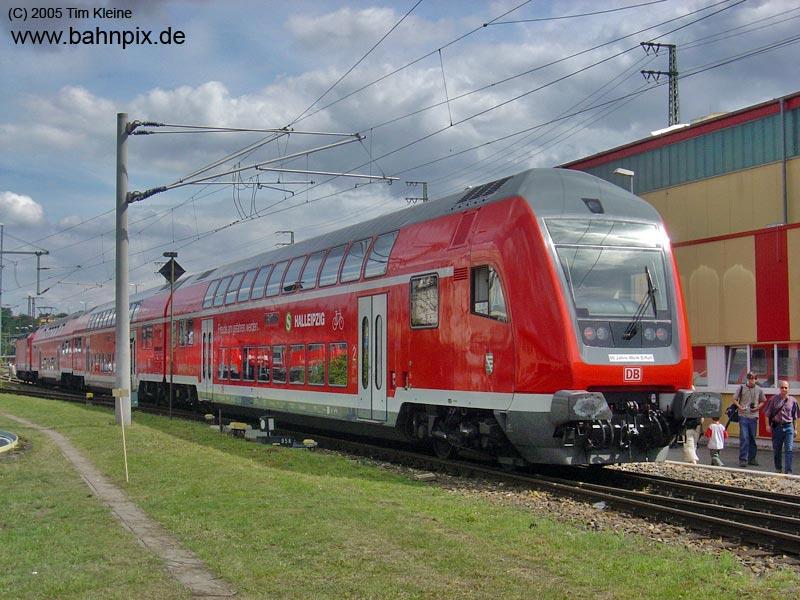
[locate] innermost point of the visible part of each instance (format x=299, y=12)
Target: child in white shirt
x=716, y=434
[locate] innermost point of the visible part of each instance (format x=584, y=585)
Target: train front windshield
x=614, y=269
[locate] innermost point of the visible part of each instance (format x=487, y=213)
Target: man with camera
x=782, y=412
x=748, y=399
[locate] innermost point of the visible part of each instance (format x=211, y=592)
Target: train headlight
x=649, y=334
x=603, y=334
x=662, y=334
x=589, y=333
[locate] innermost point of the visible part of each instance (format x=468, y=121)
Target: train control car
x=537, y=318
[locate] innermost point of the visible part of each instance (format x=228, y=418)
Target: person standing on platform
x=748, y=399
x=716, y=434
x=782, y=412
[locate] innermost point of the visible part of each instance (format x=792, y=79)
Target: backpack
x=732, y=412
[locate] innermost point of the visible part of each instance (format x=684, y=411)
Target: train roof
x=550, y=193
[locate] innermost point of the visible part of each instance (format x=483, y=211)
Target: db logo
x=632, y=374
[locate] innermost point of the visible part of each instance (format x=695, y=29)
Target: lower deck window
x=316, y=364
x=279, y=364
x=297, y=364
x=337, y=364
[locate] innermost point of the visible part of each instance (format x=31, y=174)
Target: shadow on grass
x=297, y=460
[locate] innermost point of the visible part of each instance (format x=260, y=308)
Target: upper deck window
x=208, y=300
x=330, y=268
x=274, y=284
x=260, y=283
x=603, y=232
x=247, y=283
x=233, y=288
x=308, y=279
x=378, y=259
x=219, y=297
x=354, y=260
x=293, y=275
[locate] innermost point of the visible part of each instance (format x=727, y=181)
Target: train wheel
x=443, y=449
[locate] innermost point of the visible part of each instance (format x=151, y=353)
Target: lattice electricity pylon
x=674, y=105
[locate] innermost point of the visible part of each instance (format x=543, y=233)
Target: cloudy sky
x=452, y=93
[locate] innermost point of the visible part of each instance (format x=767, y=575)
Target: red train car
x=535, y=318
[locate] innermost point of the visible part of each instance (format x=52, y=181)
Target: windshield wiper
x=649, y=298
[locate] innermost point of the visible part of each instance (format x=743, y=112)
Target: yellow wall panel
x=731, y=203
x=719, y=283
x=793, y=187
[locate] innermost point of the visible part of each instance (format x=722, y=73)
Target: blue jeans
x=783, y=437
x=748, y=428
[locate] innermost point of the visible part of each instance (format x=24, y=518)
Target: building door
x=372, y=358
x=205, y=391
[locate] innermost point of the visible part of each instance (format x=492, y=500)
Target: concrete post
x=123, y=332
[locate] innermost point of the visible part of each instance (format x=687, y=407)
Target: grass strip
x=299, y=524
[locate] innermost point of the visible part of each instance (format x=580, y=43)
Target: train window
x=488, y=299
x=190, y=332
x=222, y=367
x=337, y=364
x=424, y=301
x=308, y=279
x=297, y=364
x=235, y=363
x=279, y=364
x=378, y=352
x=247, y=283
x=181, y=333
x=260, y=283
x=219, y=296
x=233, y=288
x=354, y=260
x=316, y=364
x=274, y=284
x=365, y=353
x=263, y=364
x=290, y=281
x=249, y=364
x=330, y=268
x=379, y=256
x=208, y=299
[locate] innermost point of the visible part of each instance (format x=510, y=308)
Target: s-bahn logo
x=632, y=374
x=287, y=322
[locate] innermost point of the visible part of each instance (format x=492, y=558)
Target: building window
x=337, y=364
x=700, y=374
x=425, y=301
x=789, y=364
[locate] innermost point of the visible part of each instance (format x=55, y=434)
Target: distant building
x=728, y=188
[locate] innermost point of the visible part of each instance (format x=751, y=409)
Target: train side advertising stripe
x=772, y=286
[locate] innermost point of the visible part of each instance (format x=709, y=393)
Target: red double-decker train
x=537, y=318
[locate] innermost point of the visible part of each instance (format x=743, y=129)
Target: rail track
x=754, y=517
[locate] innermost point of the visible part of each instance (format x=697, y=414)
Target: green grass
x=298, y=524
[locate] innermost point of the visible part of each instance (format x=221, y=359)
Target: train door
x=207, y=360
x=372, y=358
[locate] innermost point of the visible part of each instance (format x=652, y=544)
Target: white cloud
x=19, y=209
